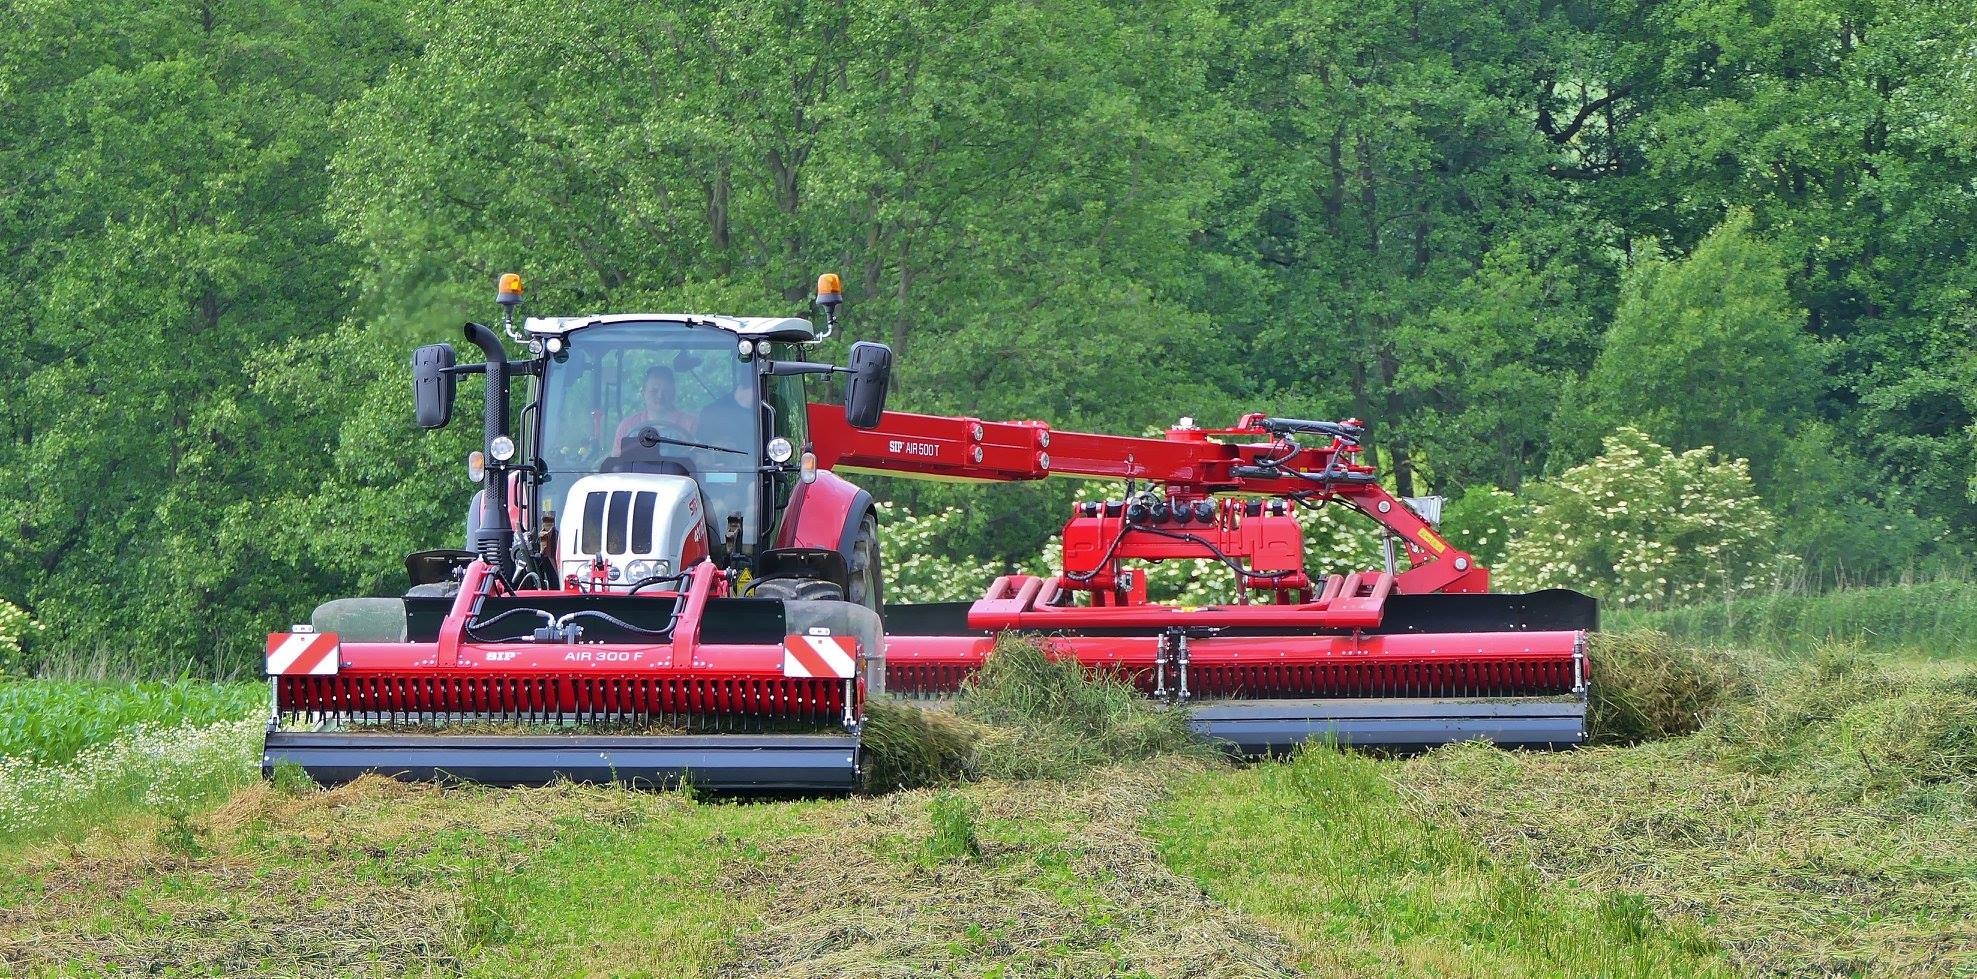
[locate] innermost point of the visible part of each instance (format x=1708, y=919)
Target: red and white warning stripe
x=820, y=656
x=302, y=653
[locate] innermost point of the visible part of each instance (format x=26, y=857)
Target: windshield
x=651, y=397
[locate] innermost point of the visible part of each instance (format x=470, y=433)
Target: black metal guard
x=732, y=763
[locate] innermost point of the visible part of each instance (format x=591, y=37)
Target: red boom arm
x=1189, y=463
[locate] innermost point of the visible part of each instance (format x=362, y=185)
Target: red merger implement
x=1396, y=657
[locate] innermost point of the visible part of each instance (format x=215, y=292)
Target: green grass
x=1933, y=620
x=53, y=720
x=1819, y=822
x=152, y=770
x=1322, y=849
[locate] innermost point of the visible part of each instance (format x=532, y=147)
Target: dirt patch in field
x=1010, y=879
x=146, y=912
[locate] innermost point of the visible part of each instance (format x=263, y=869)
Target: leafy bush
x=1644, y=525
x=921, y=564
x=15, y=625
x=1479, y=521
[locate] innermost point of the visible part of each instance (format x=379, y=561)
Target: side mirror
x=865, y=393
x=432, y=385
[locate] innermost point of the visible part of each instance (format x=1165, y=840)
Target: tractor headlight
x=780, y=450
x=746, y=350
x=579, y=568
x=640, y=570
x=761, y=348
x=502, y=448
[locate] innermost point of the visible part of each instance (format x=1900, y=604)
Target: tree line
x=1498, y=232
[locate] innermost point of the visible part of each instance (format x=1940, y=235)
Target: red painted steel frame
x=1481, y=664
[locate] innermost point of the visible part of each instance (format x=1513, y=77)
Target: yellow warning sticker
x=1428, y=537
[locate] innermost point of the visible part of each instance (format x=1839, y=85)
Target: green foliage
x=16, y=625
x=1705, y=350
x=1480, y=522
x=921, y=560
x=1642, y=525
x=1497, y=233
x=1483, y=366
x=48, y=721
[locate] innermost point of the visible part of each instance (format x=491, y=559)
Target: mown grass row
x=1824, y=825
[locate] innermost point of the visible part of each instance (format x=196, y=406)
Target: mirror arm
x=784, y=368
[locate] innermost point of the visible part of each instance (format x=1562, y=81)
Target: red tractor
x=666, y=579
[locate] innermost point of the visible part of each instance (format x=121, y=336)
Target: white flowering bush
x=167, y=769
x=1340, y=540
x=1643, y=525
x=1479, y=522
x=919, y=563
x=920, y=566
x=15, y=625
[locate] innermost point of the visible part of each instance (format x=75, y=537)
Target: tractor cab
x=648, y=444
x=620, y=399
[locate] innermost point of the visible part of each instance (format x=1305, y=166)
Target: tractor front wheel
x=867, y=584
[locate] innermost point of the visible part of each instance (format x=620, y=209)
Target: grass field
x=1820, y=823
x=1933, y=620
x=52, y=720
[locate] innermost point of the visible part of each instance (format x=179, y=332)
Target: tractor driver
x=656, y=397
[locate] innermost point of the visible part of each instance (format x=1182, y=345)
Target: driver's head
x=658, y=389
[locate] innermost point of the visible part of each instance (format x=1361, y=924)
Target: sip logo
x=903, y=447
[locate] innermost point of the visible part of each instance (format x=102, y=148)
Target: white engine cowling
x=643, y=525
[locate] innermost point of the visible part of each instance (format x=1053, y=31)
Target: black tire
x=797, y=590
x=867, y=584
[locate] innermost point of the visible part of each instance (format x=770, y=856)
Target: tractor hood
x=640, y=525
